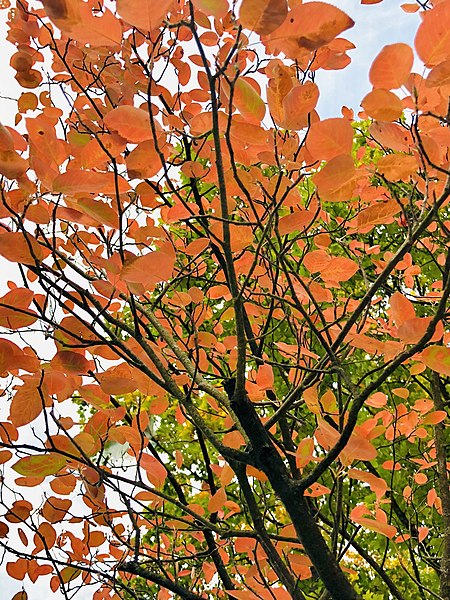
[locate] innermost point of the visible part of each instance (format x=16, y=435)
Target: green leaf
x=40, y=466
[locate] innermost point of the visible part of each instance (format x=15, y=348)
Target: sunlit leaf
x=437, y=358
x=330, y=138
x=313, y=24
x=382, y=105
x=40, y=465
x=392, y=66
x=263, y=16
x=147, y=15
x=131, y=123
x=87, y=182
x=433, y=36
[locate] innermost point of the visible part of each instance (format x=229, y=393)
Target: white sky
x=376, y=25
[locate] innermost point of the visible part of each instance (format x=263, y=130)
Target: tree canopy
x=224, y=323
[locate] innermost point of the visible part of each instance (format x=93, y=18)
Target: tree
x=225, y=343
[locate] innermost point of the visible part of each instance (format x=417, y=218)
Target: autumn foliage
x=224, y=320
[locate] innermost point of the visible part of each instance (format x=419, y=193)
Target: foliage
x=225, y=341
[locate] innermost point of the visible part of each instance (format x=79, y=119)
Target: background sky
x=375, y=26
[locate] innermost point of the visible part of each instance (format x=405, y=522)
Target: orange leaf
x=434, y=417
x=100, y=211
x=412, y=330
x=217, y=501
x=118, y=380
x=339, y=268
x=156, y=472
x=391, y=135
x=439, y=75
x=263, y=16
x=143, y=162
x=70, y=362
x=15, y=247
x=17, y=569
x=312, y=25
x=433, y=36
x=14, y=311
x=55, y=509
x=357, y=448
x=336, y=181
x=296, y=221
x=304, y=453
x=96, y=30
x=77, y=181
x=379, y=526
x=377, y=214
x=397, y=166
x=382, y=105
x=264, y=377
x=77, y=21
x=149, y=269
x=298, y=103
x=401, y=309
x=392, y=66
x=131, y=123
x=423, y=532
x=12, y=165
x=330, y=138
x=147, y=15
x=26, y=404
